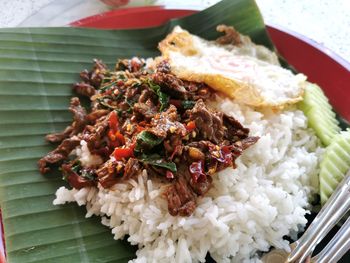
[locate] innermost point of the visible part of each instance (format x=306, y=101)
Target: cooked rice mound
x=247, y=210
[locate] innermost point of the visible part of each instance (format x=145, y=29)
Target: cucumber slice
x=335, y=164
x=321, y=117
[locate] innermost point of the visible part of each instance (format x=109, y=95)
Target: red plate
x=321, y=65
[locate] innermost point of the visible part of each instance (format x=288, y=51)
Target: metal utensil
x=337, y=247
x=334, y=209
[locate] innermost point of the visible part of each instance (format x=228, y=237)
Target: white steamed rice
x=247, y=210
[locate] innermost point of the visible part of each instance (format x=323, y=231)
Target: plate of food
x=205, y=146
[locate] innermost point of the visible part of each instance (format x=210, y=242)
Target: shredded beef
x=58, y=155
x=84, y=89
x=145, y=110
x=146, y=94
x=163, y=67
x=235, y=131
x=208, y=122
x=132, y=167
x=79, y=121
x=181, y=199
x=231, y=35
x=93, y=116
x=93, y=134
x=171, y=85
x=74, y=179
x=177, y=88
x=97, y=73
x=110, y=173
x=132, y=65
x=247, y=142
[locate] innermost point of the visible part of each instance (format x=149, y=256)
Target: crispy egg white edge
x=274, y=84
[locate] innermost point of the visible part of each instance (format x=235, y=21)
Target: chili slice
x=120, y=153
x=191, y=126
x=113, y=121
x=197, y=172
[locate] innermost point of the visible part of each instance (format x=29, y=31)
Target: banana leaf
x=37, y=69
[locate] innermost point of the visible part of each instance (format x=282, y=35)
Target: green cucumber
x=335, y=164
x=321, y=117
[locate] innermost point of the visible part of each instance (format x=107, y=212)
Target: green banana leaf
x=37, y=69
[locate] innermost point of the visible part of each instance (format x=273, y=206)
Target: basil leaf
x=130, y=102
x=121, y=76
x=108, y=86
x=80, y=171
x=76, y=168
x=146, y=140
x=157, y=160
x=163, y=97
x=89, y=175
x=188, y=104
x=102, y=102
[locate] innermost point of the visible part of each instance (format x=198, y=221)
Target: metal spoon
x=334, y=209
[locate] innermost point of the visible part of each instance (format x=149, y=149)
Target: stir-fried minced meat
x=144, y=119
x=79, y=121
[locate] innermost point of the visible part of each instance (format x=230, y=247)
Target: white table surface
x=324, y=21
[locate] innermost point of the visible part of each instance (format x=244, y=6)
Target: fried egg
x=232, y=70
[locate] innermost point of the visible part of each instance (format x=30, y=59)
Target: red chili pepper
x=111, y=135
x=113, y=121
x=139, y=128
x=191, y=126
x=120, y=83
x=133, y=144
x=107, y=92
x=120, y=153
x=120, y=137
x=197, y=172
x=176, y=151
x=225, y=155
x=114, y=144
x=169, y=175
x=127, y=152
